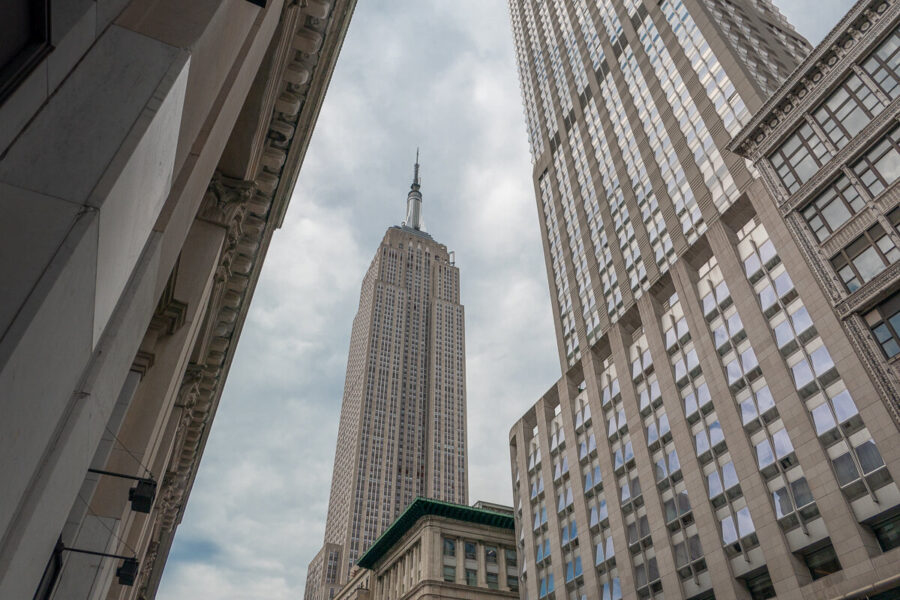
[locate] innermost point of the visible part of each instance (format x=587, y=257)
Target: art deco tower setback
x=402, y=431
x=721, y=428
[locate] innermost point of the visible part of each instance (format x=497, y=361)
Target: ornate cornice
x=831, y=59
x=249, y=211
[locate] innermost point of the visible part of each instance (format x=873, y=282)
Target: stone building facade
x=439, y=550
x=719, y=430
x=402, y=430
x=834, y=190
x=148, y=151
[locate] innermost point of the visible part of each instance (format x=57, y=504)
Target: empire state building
x=402, y=431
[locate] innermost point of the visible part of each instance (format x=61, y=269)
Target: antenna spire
x=414, y=200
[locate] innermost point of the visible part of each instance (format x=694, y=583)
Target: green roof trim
x=422, y=507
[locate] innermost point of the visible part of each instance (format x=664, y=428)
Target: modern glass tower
x=402, y=431
x=716, y=432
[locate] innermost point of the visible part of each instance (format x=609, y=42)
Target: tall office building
x=402, y=431
x=717, y=431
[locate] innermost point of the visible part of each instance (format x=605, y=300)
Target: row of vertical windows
x=842, y=115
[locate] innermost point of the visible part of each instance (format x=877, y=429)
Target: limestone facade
x=147, y=155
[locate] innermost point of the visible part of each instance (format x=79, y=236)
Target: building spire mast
x=414, y=201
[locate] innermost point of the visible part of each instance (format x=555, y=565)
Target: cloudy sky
x=435, y=74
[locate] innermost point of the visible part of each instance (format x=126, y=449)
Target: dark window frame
x=850, y=253
x=854, y=97
x=842, y=191
x=869, y=163
x=884, y=313
x=802, y=144
x=20, y=66
x=883, y=64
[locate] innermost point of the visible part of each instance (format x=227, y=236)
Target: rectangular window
x=511, y=559
x=887, y=531
x=883, y=65
x=449, y=573
x=849, y=108
x=799, y=157
x=470, y=550
x=492, y=581
x=760, y=586
x=865, y=257
x=490, y=554
x=884, y=322
x=880, y=166
x=512, y=581
x=833, y=208
x=449, y=547
x=822, y=561
x=471, y=577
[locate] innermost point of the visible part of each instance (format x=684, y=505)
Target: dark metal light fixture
x=141, y=495
x=127, y=573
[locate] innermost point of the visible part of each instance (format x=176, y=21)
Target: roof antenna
x=415, y=183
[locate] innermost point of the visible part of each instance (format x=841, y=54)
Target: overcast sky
x=436, y=74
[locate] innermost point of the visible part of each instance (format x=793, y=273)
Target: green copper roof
x=422, y=507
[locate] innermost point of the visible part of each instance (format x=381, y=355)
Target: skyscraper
x=715, y=433
x=402, y=431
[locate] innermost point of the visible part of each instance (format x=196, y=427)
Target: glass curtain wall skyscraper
x=713, y=434
x=402, y=431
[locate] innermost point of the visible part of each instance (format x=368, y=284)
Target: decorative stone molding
x=882, y=376
x=146, y=568
x=170, y=313
x=818, y=72
x=224, y=199
x=142, y=362
x=250, y=211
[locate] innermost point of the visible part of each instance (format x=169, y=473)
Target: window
x=845, y=469
x=511, y=558
x=884, y=322
x=822, y=561
x=887, y=531
x=449, y=573
x=24, y=41
x=449, y=547
x=490, y=554
x=865, y=257
x=880, y=166
x=849, y=108
x=883, y=65
x=833, y=208
x=471, y=577
x=492, y=581
x=470, y=550
x=512, y=581
x=760, y=585
x=799, y=157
